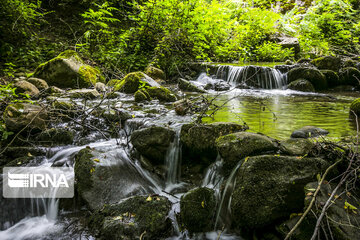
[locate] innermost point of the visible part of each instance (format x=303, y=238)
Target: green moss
x=70, y=54
x=130, y=83
x=155, y=73
x=91, y=74
x=327, y=62
x=113, y=82
x=161, y=93
x=314, y=76
x=83, y=169
x=349, y=76
x=331, y=77
x=355, y=107
x=142, y=95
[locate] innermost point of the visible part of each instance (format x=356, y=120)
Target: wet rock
x=106, y=176
x=340, y=219
x=39, y=83
x=355, y=107
x=269, y=188
x=68, y=71
x=153, y=142
x=21, y=151
x=309, y=132
x=138, y=217
x=296, y=146
x=84, y=93
x=290, y=43
x=301, y=85
x=304, y=61
x=350, y=63
x=285, y=68
x=161, y=93
x=155, y=73
x=63, y=104
x=142, y=95
x=198, y=140
x=24, y=115
x=113, y=82
x=349, y=76
x=187, y=86
x=26, y=88
x=100, y=87
x=332, y=78
x=54, y=91
x=314, y=76
x=234, y=147
x=182, y=107
x=133, y=81
x=327, y=63
x=55, y=136
x=115, y=115
x=221, y=86
x=197, y=209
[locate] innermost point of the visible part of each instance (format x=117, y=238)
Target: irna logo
x=36, y=180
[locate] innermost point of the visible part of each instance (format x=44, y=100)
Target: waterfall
x=252, y=76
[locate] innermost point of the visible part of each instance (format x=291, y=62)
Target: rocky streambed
x=208, y=158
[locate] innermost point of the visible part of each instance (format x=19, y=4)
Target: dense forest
x=180, y=119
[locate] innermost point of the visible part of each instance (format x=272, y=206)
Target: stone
x=269, y=188
x=25, y=87
x=142, y=95
x=18, y=116
x=309, y=132
x=68, y=71
x=290, y=43
x=39, y=83
x=296, y=146
x=327, y=63
x=234, y=147
x=133, y=81
x=55, y=136
x=153, y=142
x=314, y=76
x=161, y=93
x=332, y=78
x=182, y=107
x=197, y=209
x=100, y=87
x=349, y=76
x=84, y=93
x=155, y=73
x=301, y=85
x=186, y=86
x=355, y=107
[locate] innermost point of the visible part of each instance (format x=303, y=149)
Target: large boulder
x=25, y=87
x=309, y=132
x=327, y=63
x=153, y=142
x=332, y=78
x=187, y=86
x=314, y=76
x=155, y=73
x=197, y=209
x=236, y=146
x=138, y=217
x=301, y=85
x=133, y=81
x=349, y=76
x=18, y=116
x=161, y=93
x=105, y=176
x=68, y=71
x=269, y=188
x=198, y=140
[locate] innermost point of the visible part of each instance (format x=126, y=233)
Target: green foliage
x=273, y=52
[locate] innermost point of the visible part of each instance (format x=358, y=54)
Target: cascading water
x=173, y=160
x=252, y=76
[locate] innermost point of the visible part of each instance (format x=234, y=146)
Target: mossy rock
x=162, y=94
x=309, y=132
x=355, y=107
x=18, y=116
x=185, y=85
x=84, y=93
x=83, y=169
x=234, y=147
x=142, y=95
x=39, y=83
x=153, y=142
x=301, y=85
x=182, y=107
x=55, y=136
x=350, y=63
x=137, y=216
x=349, y=76
x=197, y=210
x=314, y=76
x=327, y=63
x=332, y=78
x=68, y=71
x=155, y=73
x=113, y=82
x=26, y=87
x=296, y=147
x=133, y=81
x=269, y=188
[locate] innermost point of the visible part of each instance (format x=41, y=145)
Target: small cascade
x=213, y=178
x=252, y=76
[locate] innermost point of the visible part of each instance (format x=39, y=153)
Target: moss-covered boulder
x=296, y=146
x=269, y=188
x=187, y=86
x=327, y=63
x=309, y=132
x=236, y=146
x=68, y=71
x=24, y=115
x=155, y=73
x=197, y=210
x=161, y=93
x=153, y=142
x=133, y=81
x=142, y=95
x=39, y=83
x=84, y=93
x=55, y=136
x=349, y=76
x=182, y=107
x=355, y=107
x=113, y=82
x=339, y=216
x=113, y=115
x=314, y=76
x=301, y=85
x=138, y=217
x=25, y=87
x=350, y=63
x=332, y=78
x=198, y=140
x=107, y=175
